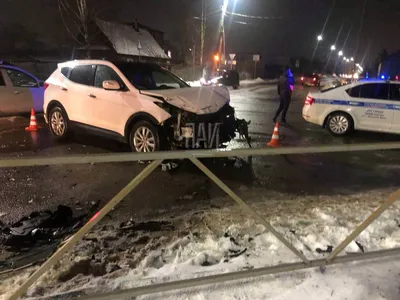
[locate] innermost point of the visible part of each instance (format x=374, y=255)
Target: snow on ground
x=224, y=239
x=256, y=81
x=194, y=83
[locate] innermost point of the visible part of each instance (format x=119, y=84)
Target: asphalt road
x=23, y=190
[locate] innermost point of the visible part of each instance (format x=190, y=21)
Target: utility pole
x=202, y=30
x=194, y=60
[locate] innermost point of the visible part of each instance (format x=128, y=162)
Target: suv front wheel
x=144, y=137
x=58, y=123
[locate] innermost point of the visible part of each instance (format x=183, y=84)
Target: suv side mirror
x=112, y=85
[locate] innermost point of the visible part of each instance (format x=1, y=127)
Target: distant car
x=223, y=77
x=310, y=80
x=328, y=81
x=20, y=91
x=372, y=105
x=140, y=104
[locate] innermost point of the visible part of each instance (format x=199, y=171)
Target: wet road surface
x=23, y=190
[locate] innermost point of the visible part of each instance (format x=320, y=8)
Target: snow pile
x=257, y=81
x=194, y=83
x=231, y=241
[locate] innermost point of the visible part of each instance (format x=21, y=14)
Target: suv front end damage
x=201, y=118
x=191, y=131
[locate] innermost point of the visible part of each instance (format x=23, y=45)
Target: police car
x=371, y=105
x=20, y=91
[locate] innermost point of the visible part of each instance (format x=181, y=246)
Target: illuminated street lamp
x=216, y=57
x=348, y=60
x=340, y=53
x=333, y=47
x=319, y=38
x=352, y=59
x=344, y=58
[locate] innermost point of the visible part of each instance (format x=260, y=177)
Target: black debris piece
x=328, y=250
x=41, y=227
x=360, y=246
x=238, y=253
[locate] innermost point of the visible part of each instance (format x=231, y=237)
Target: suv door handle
x=92, y=96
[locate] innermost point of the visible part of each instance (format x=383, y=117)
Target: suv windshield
x=150, y=77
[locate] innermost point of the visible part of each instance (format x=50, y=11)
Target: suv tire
x=144, y=137
x=58, y=123
x=340, y=124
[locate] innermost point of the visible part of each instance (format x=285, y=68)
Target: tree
x=382, y=57
x=77, y=16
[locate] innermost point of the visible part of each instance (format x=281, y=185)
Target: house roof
x=125, y=40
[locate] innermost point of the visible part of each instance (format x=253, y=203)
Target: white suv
x=141, y=104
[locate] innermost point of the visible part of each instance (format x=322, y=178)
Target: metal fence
x=194, y=157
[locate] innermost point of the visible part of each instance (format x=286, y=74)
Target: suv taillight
x=45, y=85
x=309, y=100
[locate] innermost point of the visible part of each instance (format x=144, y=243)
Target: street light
x=344, y=58
x=340, y=53
x=333, y=47
x=348, y=60
x=352, y=59
x=319, y=38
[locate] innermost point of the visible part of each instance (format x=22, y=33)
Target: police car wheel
x=340, y=124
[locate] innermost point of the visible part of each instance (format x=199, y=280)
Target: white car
x=372, y=105
x=20, y=91
x=140, y=104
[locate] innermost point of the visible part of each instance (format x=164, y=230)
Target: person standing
x=285, y=89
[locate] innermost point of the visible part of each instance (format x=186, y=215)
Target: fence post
x=85, y=229
x=392, y=198
x=247, y=208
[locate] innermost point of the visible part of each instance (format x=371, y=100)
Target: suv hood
x=198, y=100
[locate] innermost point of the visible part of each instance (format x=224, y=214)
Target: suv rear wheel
x=58, y=123
x=144, y=137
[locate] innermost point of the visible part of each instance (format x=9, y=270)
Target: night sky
x=293, y=34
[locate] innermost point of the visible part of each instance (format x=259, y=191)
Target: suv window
x=164, y=80
x=83, y=74
x=66, y=71
x=395, y=91
x=21, y=79
x=105, y=73
x=370, y=90
x=149, y=77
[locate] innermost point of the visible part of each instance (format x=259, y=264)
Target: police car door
x=373, y=109
x=395, y=97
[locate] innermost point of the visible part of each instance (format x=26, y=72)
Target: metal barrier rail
x=194, y=156
x=125, y=157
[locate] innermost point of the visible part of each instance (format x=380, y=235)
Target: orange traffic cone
x=275, y=137
x=32, y=124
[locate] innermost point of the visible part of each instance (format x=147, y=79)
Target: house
x=122, y=41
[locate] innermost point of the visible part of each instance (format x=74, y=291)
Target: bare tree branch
x=60, y=3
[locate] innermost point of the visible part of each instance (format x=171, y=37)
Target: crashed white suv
x=141, y=104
